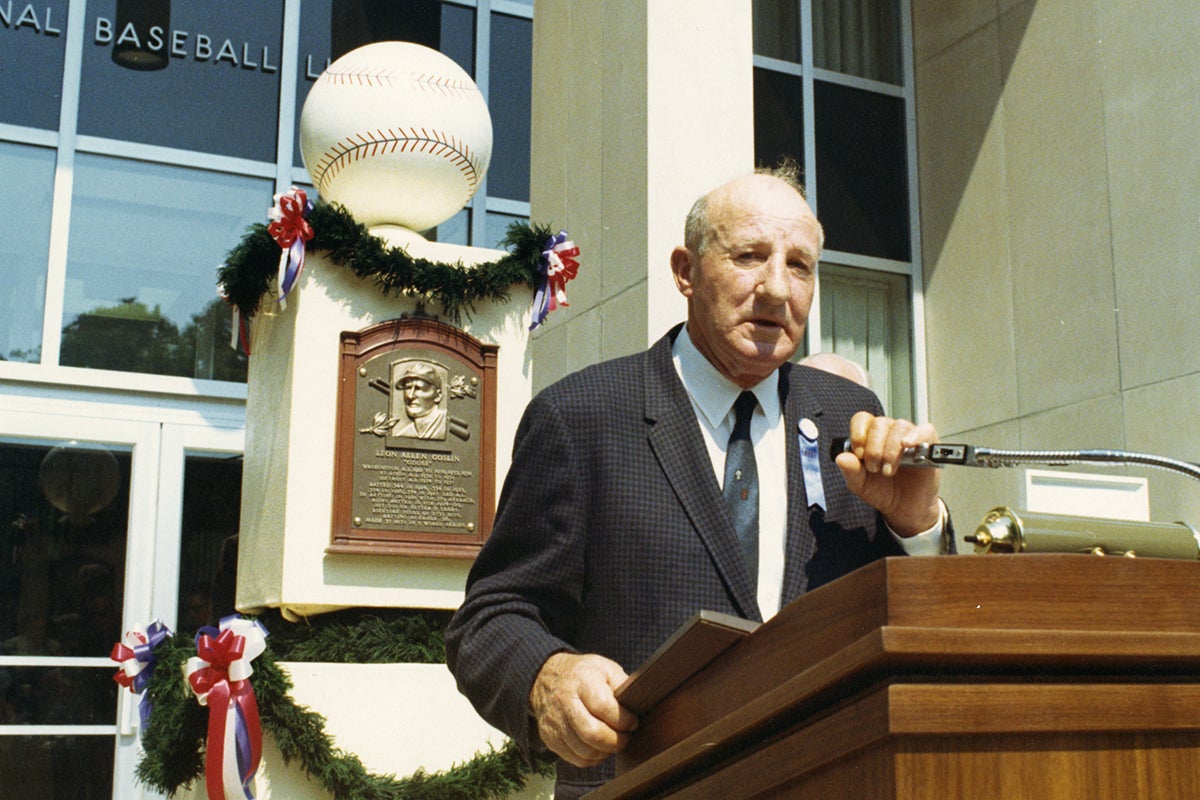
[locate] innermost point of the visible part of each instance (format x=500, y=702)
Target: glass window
x=865, y=318
x=497, y=227
x=777, y=29
x=28, y=174
x=141, y=274
x=184, y=75
x=59, y=766
x=212, y=492
x=331, y=28
x=778, y=117
x=858, y=37
x=511, y=79
x=64, y=510
x=32, y=43
x=453, y=230
x=862, y=171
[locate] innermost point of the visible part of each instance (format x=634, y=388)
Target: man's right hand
x=578, y=716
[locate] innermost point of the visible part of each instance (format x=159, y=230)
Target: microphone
x=923, y=455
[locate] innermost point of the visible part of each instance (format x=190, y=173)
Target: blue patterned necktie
x=741, y=481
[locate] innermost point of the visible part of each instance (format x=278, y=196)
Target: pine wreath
x=252, y=265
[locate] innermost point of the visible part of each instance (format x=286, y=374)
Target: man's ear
x=682, y=264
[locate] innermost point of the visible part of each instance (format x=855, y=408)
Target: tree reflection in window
x=134, y=337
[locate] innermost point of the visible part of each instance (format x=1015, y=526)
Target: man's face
x=750, y=290
x=420, y=396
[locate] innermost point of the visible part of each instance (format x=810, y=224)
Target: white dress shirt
x=712, y=396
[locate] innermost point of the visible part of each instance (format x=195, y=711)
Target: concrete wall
x=1060, y=189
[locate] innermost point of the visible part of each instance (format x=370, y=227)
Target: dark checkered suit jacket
x=611, y=531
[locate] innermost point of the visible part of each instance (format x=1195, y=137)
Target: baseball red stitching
x=384, y=77
x=372, y=143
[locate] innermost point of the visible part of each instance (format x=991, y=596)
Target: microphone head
x=838, y=445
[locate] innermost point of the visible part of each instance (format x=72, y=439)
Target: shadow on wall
x=953, y=124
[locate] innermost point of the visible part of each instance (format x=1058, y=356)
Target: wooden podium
x=1003, y=676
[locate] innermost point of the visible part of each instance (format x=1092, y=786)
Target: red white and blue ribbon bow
x=558, y=265
x=219, y=675
x=135, y=654
x=290, y=229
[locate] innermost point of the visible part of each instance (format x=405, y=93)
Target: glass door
x=104, y=524
x=194, y=544
x=199, y=507
x=76, y=515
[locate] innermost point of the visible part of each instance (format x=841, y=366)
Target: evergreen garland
x=173, y=742
x=252, y=266
x=360, y=636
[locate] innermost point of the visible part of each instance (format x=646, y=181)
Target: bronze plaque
x=416, y=441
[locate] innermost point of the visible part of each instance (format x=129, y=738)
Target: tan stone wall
x=1060, y=190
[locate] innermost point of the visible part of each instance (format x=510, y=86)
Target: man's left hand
x=906, y=496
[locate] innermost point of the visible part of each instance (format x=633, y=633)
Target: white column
x=639, y=107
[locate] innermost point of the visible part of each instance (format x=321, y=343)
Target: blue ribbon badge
x=810, y=460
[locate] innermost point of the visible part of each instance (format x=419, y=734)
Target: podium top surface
x=953, y=598
x=1052, y=591
x=1049, y=610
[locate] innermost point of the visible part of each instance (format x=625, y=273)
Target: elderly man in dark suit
x=618, y=520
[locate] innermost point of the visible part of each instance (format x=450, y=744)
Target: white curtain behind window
x=777, y=29
x=858, y=37
x=864, y=317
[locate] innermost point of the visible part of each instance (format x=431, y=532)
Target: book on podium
x=690, y=649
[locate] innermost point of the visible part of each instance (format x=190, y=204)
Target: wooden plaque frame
x=467, y=374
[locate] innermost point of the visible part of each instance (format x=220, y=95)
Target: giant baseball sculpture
x=397, y=133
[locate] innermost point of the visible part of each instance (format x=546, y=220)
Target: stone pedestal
x=287, y=489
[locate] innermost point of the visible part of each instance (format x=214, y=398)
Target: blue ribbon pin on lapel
x=810, y=461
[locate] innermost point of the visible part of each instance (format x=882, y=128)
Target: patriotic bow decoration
x=135, y=654
x=558, y=265
x=219, y=677
x=290, y=229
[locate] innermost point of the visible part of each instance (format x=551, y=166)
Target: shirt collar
x=713, y=393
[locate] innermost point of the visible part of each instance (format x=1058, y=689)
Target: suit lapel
x=675, y=438
x=798, y=403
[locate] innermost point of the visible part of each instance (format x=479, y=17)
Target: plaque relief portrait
x=415, y=454
x=418, y=391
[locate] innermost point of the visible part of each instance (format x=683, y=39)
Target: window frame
x=913, y=268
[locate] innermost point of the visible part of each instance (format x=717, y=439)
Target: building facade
x=1008, y=190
